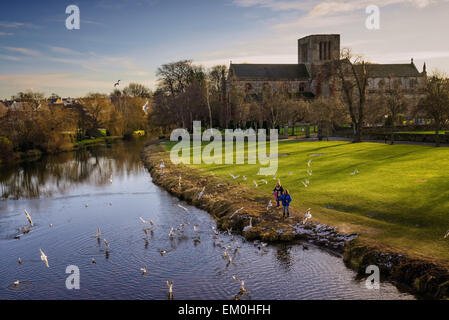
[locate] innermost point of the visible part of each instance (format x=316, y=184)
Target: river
x=70, y=195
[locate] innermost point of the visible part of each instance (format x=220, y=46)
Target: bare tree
x=352, y=71
x=436, y=103
x=393, y=100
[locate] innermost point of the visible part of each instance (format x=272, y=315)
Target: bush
x=6, y=150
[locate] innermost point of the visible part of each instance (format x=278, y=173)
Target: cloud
x=6, y=34
x=10, y=58
x=62, y=50
x=24, y=51
x=16, y=25
x=328, y=7
x=62, y=83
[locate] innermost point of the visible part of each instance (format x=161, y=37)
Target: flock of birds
x=230, y=248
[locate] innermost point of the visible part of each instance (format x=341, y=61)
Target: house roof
x=392, y=70
x=270, y=71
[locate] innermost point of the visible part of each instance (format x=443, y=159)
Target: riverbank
x=225, y=199
x=36, y=154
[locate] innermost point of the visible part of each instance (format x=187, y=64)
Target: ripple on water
x=198, y=271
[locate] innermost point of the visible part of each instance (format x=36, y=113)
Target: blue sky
x=129, y=39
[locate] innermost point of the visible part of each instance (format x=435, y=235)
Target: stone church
x=310, y=77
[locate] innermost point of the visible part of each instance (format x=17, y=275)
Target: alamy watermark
x=73, y=280
x=373, y=280
x=212, y=153
x=73, y=21
x=372, y=22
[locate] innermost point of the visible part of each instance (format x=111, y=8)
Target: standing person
x=278, y=191
x=286, y=199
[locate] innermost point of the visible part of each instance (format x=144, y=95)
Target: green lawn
x=399, y=198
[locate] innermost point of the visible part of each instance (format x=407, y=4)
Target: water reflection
x=72, y=192
x=284, y=257
x=58, y=174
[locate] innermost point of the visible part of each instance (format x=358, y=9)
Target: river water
x=73, y=193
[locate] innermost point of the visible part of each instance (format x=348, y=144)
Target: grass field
x=399, y=198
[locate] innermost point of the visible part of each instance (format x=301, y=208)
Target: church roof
x=270, y=71
x=392, y=70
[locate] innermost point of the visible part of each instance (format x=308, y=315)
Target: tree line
x=37, y=123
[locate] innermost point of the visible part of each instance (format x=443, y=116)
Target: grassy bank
x=400, y=198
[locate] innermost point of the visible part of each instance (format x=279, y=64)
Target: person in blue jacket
x=286, y=199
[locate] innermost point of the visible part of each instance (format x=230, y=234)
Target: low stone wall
x=426, y=138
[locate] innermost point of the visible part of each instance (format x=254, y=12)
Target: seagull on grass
x=233, y=177
x=356, y=171
x=307, y=216
x=250, y=225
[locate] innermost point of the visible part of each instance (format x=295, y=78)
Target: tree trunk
x=437, y=134
x=208, y=105
x=392, y=131
x=358, y=133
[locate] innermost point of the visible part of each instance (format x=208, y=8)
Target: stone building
x=312, y=76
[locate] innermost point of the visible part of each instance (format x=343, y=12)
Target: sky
x=130, y=39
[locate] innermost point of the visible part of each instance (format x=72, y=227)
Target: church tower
x=316, y=50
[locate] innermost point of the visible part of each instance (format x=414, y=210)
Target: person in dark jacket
x=278, y=192
x=286, y=199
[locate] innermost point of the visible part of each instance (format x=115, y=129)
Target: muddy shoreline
x=244, y=211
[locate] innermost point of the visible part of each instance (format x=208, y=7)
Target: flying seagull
x=29, y=218
x=117, y=83
x=233, y=177
x=170, y=288
x=236, y=211
x=201, y=193
x=447, y=234
x=44, y=258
